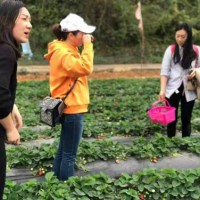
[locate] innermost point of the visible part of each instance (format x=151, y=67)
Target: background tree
x=117, y=32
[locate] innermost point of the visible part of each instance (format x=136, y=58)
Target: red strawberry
x=142, y=196
x=40, y=173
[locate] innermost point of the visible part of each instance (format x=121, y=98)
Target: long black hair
x=188, y=52
x=9, y=11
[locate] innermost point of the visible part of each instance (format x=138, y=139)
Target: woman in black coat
x=15, y=27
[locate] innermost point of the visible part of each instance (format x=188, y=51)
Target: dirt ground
x=100, y=75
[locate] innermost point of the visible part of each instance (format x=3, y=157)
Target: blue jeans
x=71, y=133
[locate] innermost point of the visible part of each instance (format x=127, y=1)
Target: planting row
x=141, y=148
x=150, y=184
x=118, y=107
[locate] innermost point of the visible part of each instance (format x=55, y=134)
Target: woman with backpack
x=177, y=68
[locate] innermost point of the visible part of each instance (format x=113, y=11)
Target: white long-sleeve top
x=176, y=74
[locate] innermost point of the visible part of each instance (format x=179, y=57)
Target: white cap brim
x=87, y=29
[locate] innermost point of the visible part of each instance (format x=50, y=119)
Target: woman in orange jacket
x=67, y=65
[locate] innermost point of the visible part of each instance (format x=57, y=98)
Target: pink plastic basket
x=162, y=114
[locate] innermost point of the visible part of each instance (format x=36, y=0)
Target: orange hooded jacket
x=66, y=65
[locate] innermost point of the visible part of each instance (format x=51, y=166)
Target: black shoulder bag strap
x=63, y=99
x=69, y=90
x=62, y=106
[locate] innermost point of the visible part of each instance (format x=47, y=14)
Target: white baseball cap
x=74, y=22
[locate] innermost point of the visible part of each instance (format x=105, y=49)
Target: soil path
x=99, y=75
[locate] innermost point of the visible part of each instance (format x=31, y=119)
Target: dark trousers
x=2, y=161
x=186, y=113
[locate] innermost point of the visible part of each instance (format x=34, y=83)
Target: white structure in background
x=26, y=50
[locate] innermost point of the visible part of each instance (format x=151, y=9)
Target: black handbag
x=51, y=109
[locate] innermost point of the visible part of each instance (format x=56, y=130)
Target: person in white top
x=178, y=61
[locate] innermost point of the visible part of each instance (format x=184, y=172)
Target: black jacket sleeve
x=8, y=67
